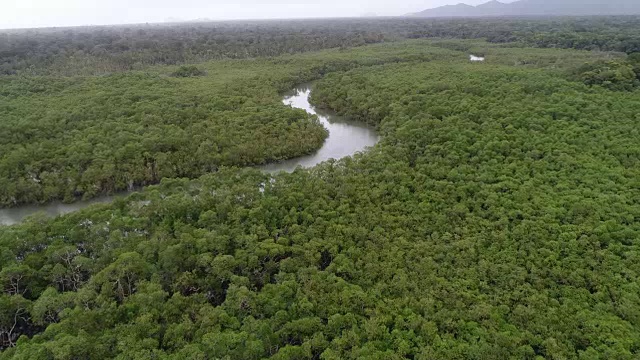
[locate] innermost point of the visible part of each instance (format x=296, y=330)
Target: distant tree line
x=97, y=50
x=497, y=218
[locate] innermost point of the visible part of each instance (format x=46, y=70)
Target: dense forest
x=63, y=138
x=498, y=217
x=70, y=137
x=108, y=49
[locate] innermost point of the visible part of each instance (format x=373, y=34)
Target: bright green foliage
x=496, y=219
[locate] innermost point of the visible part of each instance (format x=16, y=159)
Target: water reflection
x=16, y=215
x=346, y=137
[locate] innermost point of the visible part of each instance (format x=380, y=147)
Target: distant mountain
x=536, y=8
x=492, y=8
x=448, y=11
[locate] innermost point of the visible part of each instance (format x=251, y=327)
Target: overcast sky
x=39, y=13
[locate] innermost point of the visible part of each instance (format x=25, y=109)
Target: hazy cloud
x=38, y=13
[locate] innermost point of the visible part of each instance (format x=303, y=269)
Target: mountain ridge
x=536, y=8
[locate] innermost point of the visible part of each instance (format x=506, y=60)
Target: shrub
x=188, y=71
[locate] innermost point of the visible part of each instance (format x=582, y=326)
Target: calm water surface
x=16, y=215
x=346, y=137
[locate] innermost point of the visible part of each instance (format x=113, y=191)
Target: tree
x=15, y=278
x=14, y=317
x=120, y=278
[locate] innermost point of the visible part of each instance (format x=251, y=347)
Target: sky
x=46, y=13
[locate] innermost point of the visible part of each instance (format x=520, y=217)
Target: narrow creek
x=346, y=137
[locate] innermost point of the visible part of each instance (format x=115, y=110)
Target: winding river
x=346, y=137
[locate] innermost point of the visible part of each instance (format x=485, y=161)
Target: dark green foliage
x=609, y=74
x=63, y=138
x=496, y=219
x=634, y=60
x=103, y=50
x=70, y=137
x=188, y=71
